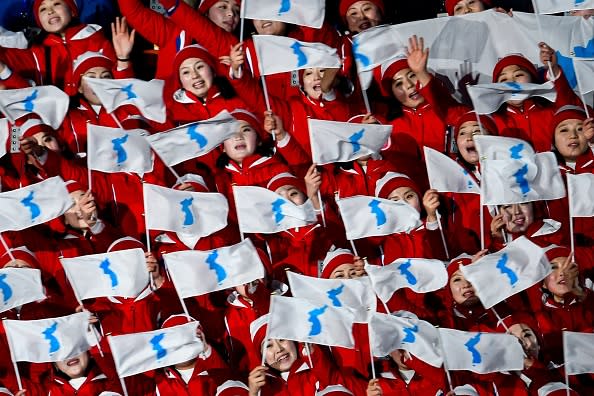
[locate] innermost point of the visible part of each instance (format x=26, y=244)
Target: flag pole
x=353, y=246
x=181, y=300
x=308, y=354
x=16, y=369
x=89, y=176
x=541, y=33
x=118, y=123
x=123, y=384
x=365, y=97
x=481, y=212
x=373, y=375
x=241, y=21
x=266, y=97
x=571, y=237
x=5, y=245
x=445, y=367
x=443, y=240
x=322, y=208
x=565, y=365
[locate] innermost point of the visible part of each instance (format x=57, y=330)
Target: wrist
x=123, y=59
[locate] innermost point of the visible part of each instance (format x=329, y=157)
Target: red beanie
x=568, y=112
x=344, y=6
x=193, y=51
x=70, y=3
x=73, y=185
x=87, y=61
x=20, y=253
x=487, y=122
x=334, y=259
x=176, y=320
x=285, y=179
x=554, y=251
x=252, y=119
x=392, y=181
x=206, y=4
x=125, y=243
x=518, y=60
x=258, y=329
x=385, y=73
x=454, y=265
x=451, y=4
x=32, y=126
x=232, y=388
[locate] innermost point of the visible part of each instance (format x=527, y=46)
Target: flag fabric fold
x=578, y=349
x=557, y=6
x=47, y=101
x=376, y=45
x=298, y=12
x=584, y=69
x=580, y=190
x=503, y=148
x=446, y=175
x=488, y=98
x=19, y=286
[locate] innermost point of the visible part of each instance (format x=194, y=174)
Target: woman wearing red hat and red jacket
x=49, y=62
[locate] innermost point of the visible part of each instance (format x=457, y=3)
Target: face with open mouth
x=527, y=339
x=404, y=88
x=312, y=82
x=54, y=15
x=196, y=77
x=363, y=15
x=242, y=144
x=465, y=142
x=570, y=140
x=462, y=290
x=276, y=28
x=518, y=217
x=281, y=354
x=224, y=14
x=75, y=367
x=557, y=282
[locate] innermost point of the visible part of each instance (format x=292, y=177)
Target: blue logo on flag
x=359, y=56
x=517, y=88
x=301, y=57
x=5, y=288
x=285, y=6
x=197, y=136
x=277, y=210
x=118, y=147
x=505, y=270
x=316, y=325
x=105, y=267
x=520, y=176
x=579, y=2
x=32, y=206
x=469, y=182
x=29, y=105
x=128, y=91
x=186, y=208
x=333, y=295
x=48, y=334
x=156, y=343
x=354, y=140
x=380, y=216
x=211, y=260
x=403, y=268
x=470, y=346
x=515, y=152
x=566, y=62
x=409, y=334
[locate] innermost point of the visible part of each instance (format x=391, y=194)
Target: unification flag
x=34, y=204
x=578, y=349
x=580, y=190
x=488, y=98
x=47, y=101
x=584, y=69
x=297, y=12
x=195, y=213
x=49, y=340
x=19, y=286
x=333, y=141
x=121, y=273
x=377, y=45
x=196, y=272
x=503, y=148
x=446, y=175
x=354, y=294
x=113, y=150
x=557, y=6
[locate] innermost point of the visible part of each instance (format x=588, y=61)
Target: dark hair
x=263, y=149
x=394, y=108
x=225, y=88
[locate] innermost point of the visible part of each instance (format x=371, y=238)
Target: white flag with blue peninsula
x=354, y=294
x=196, y=272
x=193, y=140
x=278, y=54
x=376, y=45
x=139, y=352
x=47, y=101
x=488, y=98
x=198, y=214
x=260, y=210
x=333, y=141
x=301, y=320
x=35, y=204
x=446, y=175
x=492, y=147
x=49, y=340
x=418, y=274
x=556, y=6
x=121, y=273
x=19, y=286
x=390, y=332
x=297, y=12
x=578, y=349
x=365, y=216
x=146, y=96
x=481, y=352
x=514, y=268
x=114, y=150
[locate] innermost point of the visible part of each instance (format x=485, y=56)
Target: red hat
x=454, y=265
x=196, y=181
x=554, y=251
x=385, y=73
x=487, y=122
x=70, y=3
x=176, y=320
x=73, y=185
x=522, y=317
x=334, y=259
x=125, y=243
x=334, y=390
x=193, y=51
x=86, y=61
x=258, y=329
x=33, y=126
x=20, y=253
x=344, y=6
x=451, y=4
x=392, y=181
x=568, y=112
x=233, y=388
x=555, y=389
x=515, y=59
x=285, y=179
x=252, y=119
x=206, y=4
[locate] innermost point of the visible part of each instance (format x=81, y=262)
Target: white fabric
x=19, y=286
x=193, y=140
x=139, y=352
x=354, y=294
x=146, y=96
x=301, y=320
x=48, y=102
x=365, y=216
x=120, y=273
x=487, y=98
x=333, y=141
x=377, y=45
x=10, y=39
x=446, y=175
x=34, y=204
x=514, y=268
x=260, y=210
x=556, y=6
x=4, y=136
x=578, y=349
x=278, y=54
x=419, y=275
x=195, y=272
x=298, y=12
x=200, y=214
x=114, y=150
x=502, y=148
x=481, y=352
x=49, y=340
x=584, y=70
x=580, y=189
x=389, y=333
